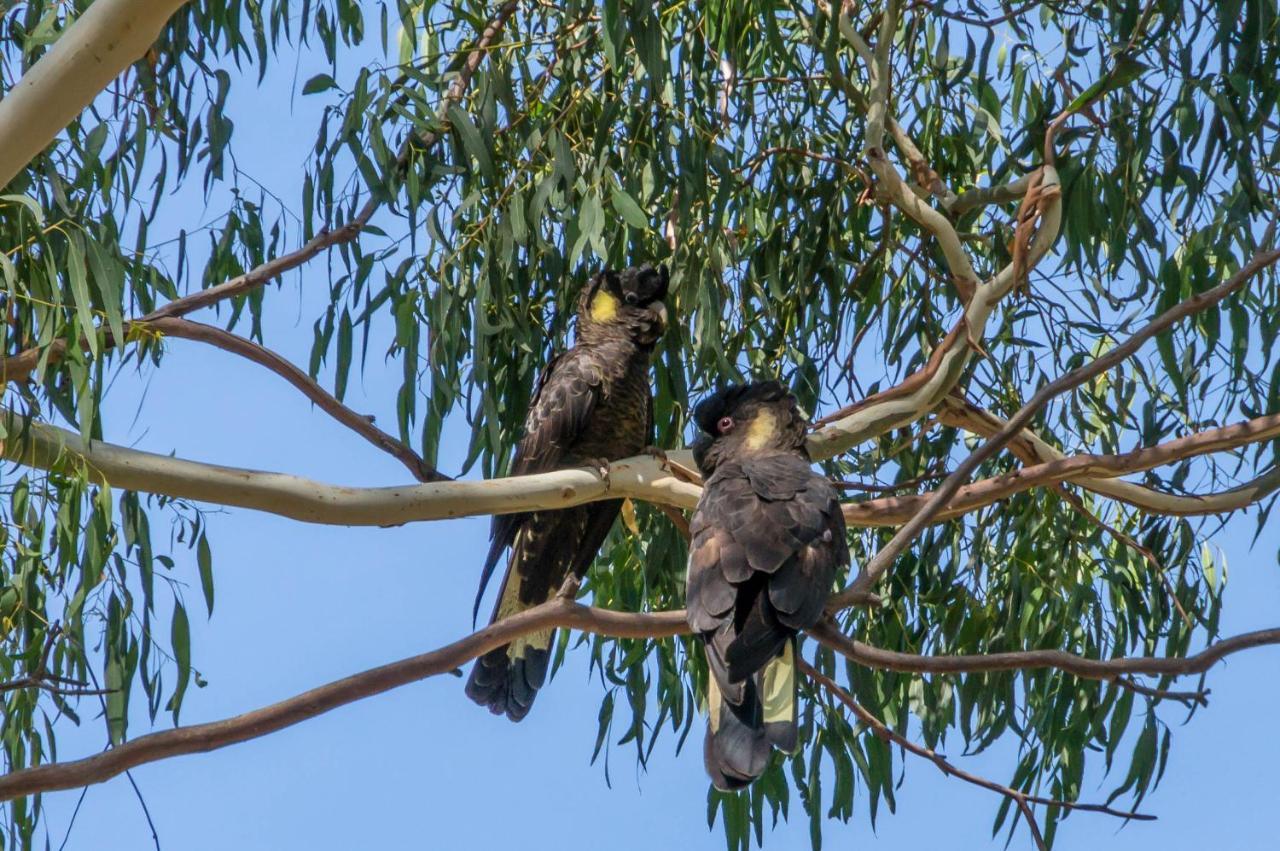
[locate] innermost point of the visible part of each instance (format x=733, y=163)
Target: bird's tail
x=506, y=679
x=742, y=733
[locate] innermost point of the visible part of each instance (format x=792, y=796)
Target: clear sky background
x=422, y=767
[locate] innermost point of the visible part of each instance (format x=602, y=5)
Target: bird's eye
x=724, y=425
x=631, y=298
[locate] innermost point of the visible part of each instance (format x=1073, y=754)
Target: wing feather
x=566, y=396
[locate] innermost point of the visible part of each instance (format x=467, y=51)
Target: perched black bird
x=593, y=404
x=767, y=538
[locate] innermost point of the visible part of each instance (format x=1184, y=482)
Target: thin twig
x=941, y=10
x=1077, y=504
x=360, y=424
x=885, y=734
x=1199, y=697
x=42, y=679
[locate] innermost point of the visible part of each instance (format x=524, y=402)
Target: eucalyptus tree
x=1016, y=260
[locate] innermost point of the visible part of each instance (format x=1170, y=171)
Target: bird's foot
x=660, y=455
x=601, y=467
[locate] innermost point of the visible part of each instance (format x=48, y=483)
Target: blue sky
x=422, y=767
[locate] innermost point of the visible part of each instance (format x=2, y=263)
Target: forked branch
x=884, y=733
x=1086, y=470
x=558, y=612
x=876, y=567
x=20, y=366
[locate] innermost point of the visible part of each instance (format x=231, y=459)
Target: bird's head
x=747, y=419
x=627, y=304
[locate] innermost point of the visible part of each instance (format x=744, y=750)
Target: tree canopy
x=1015, y=259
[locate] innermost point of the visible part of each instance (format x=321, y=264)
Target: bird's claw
x=658, y=454
x=601, y=467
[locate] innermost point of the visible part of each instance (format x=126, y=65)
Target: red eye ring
x=724, y=425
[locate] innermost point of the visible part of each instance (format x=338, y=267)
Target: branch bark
x=873, y=569
x=882, y=731
x=1087, y=469
x=360, y=424
x=976, y=197
x=557, y=612
x=48, y=447
x=105, y=40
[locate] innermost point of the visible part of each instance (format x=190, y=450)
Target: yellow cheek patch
x=604, y=307
x=762, y=430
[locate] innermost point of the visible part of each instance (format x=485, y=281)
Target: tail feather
x=757, y=637
x=778, y=693
x=506, y=679
x=741, y=735
x=735, y=750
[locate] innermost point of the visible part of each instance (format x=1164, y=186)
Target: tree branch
x=199, y=738
x=885, y=734
x=828, y=635
x=921, y=392
x=879, y=72
x=557, y=612
x=1032, y=449
x=48, y=447
x=20, y=366
x=975, y=197
x=107, y=38
x=361, y=425
x=873, y=569
x=1084, y=469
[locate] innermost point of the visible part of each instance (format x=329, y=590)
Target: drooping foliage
x=725, y=139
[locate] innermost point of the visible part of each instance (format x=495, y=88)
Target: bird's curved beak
x=660, y=308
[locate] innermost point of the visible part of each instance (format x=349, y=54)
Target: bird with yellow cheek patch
x=593, y=405
x=767, y=539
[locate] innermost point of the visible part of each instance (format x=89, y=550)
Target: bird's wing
x=567, y=393
x=766, y=541
x=803, y=509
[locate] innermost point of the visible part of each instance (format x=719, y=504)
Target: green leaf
x=108, y=279
x=80, y=290
x=471, y=140
x=628, y=208
x=318, y=83
x=1125, y=70
x=180, y=637
x=204, y=558
x=343, y=367
x=31, y=205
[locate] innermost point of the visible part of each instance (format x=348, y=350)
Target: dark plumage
x=593, y=404
x=767, y=538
